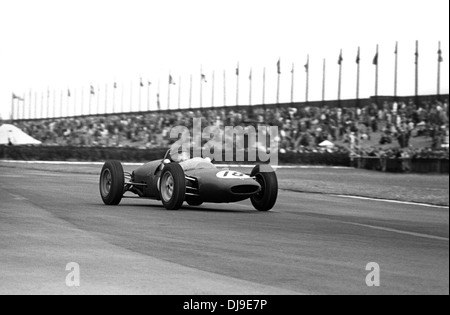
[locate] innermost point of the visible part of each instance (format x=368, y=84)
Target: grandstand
x=367, y=129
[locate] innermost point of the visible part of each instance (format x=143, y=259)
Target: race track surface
x=309, y=244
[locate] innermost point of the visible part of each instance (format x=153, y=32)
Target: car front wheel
x=172, y=186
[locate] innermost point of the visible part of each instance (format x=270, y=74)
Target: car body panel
x=210, y=185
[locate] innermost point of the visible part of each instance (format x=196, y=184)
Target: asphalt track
x=309, y=244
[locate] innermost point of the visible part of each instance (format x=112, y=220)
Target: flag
x=115, y=85
x=279, y=66
x=250, y=75
x=149, y=83
x=306, y=66
x=440, y=59
x=358, y=56
x=237, y=69
x=171, y=81
x=340, y=58
x=396, y=48
x=15, y=97
x=68, y=93
x=375, y=59
x=140, y=83
x=203, y=78
x=92, y=90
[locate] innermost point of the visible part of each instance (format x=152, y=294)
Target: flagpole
x=396, y=70
x=237, y=85
x=158, y=100
x=68, y=102
x=47, y=110
x=61, y=102
x=140, y=94
x=42, y=105
x=61, y=105
x=82, y=101
x=292, y=84
x=264, y=87
x=213, y=81
x=35, y=104
x=323, y=79
x=358, y=75
x=54, y=103
x=148, y=95
x=307, y=80
x=201, y=87
x=75, y=102
x=340, y=78
x=439, y=71
x=12, y=108
x=122, y=97
x=250, y=87
x=98, y=99
x=106, y=98
x=190, y=92
x=224, y=88
x=376, y=73
x=90, y=100
x=168, y=91
x=114, y=97
x=30, y=105
x=179, y=92
x=131, y=96
x=17, y=110
x=416, y=89
x=23, y=106
x=278, y=81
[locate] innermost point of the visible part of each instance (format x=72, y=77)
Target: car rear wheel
x=172, y=186
x=266, y=199
x=112, y=182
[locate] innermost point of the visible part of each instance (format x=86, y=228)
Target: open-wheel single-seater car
x=194, y=181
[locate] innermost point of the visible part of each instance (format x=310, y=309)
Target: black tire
x=172, y=187
x=112, y=182
x=267, y=198
x=194, y=202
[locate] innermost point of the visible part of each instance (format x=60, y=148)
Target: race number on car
x=232, y=175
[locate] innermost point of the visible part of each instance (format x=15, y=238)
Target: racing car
x=194, y=181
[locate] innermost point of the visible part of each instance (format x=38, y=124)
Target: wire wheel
x=167, y=186
x=172, y=186
x=112, y=181
x=106, y=182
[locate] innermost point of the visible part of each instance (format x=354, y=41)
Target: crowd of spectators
x=301, y=129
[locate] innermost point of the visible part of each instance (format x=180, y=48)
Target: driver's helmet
x=183, y=156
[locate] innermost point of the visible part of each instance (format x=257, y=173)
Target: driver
x=188, y=163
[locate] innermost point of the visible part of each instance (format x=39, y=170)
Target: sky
x=51, y=47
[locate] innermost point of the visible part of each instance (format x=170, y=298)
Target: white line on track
x=398, y=231
x=393, y=201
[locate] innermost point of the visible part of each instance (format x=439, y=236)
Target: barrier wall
x=96, y=154
x=396, y=165
x=100, y=154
